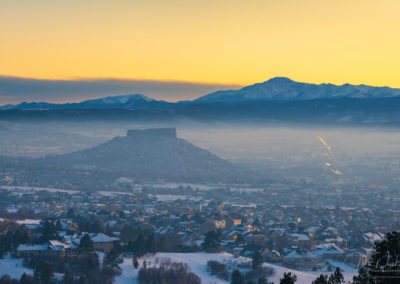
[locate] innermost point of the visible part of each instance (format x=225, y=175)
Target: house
x=26, y=250
x=301, y=259
x=258, y=239
x=300, y=240
x=102, y=242
x=212, y=225
x=274, y=256
x=330, y=251
x=50, y=249
x=340, y=242
x=372, y=238
x=33, y=230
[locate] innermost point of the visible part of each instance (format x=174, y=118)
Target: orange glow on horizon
x=226, y=42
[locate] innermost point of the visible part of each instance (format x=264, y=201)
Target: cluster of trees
x=168, y=273
x=212, y=241
x=335, y=278
x=25, y=279
x=258, y=276
x=384, y=265
x=219, y=269
x=140, y=242
x=11, y=240
x=144, y=244
x=85, y=268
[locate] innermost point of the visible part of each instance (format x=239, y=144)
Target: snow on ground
x=100, y=255
x=114, y=193
x=305, y=277
x=169, y=197
x=23, y=221
x=197, y=262
x=176, y=185
x=13, y=267
x=30, y=188
x=198, y=265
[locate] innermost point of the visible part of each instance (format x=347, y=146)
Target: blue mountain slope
x=284, y=89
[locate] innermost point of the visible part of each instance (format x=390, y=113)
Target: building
x=301, y=259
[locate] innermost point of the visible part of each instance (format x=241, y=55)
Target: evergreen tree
x=111, y=258
x=86, y=244
x=384, y=267
x=139, y=246
x=236, y=277
x=288, y=278
x=336, y=277
x=16, y=239
x=362, y=277
x=135, y=263
x=26, y=279
x=257, y=259
x=322, y=279
x=49, y=232
x=44, y=271
x=151, y=245
x=68, y=278
x=25, y=238
x=211, y=241
x=108, y=230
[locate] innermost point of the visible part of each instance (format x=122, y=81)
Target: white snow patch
x=13, y=267
x=30, y=188
x=198, y=265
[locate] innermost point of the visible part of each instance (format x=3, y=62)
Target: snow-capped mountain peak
x=123, y=99
x=285, y=89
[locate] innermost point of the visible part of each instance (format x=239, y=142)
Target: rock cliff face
x=151, y=154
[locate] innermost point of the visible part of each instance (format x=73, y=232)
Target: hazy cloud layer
x=15, y=90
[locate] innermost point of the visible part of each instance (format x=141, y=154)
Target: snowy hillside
x=13, y=267
x=198, y=265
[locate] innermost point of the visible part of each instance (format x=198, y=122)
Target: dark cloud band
x=15, y=89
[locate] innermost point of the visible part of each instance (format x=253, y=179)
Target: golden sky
x=207, y=41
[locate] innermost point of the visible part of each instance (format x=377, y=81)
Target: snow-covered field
x=114, y=193
x=169, y=197
x=176, y=185
x=29, y=188
x=198, y=265
x=23, y=221
x=13, y=267
x=197, y=262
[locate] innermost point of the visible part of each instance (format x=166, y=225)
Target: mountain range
x=134, y=101
x=274, y=101
x=284, y=89
x=275, y=89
